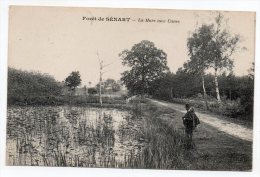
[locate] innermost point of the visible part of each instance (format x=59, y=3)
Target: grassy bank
x=163, y=130
x=165, y=149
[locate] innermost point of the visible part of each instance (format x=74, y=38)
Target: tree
x=73, y=80
x=228, y=84
x=99, y=88
x=92, y=91
x=147, y=64
x=198, y=47
x=246, y=91
x=112, y=85
x=117, y=86
x=221, y=48
x=251, y=71
x=163, y=87
x=212, y=47
x=181, y=84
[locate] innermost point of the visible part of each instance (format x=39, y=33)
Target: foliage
x=211, y=46
x=73, y=80
x=198, y=47
x=180, y=85
x=163, y=86
x=27, y=87
x=92, y=90
x=251, y=71
x=147, y=63
x=222, y=45
x=109, y=85
x=198, y=50
x=237, y=92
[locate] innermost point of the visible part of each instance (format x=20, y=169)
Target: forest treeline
x=237, y=92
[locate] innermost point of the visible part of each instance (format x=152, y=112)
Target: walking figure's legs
x=189, y=135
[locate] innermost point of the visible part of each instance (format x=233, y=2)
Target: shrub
x=229, y=108
x=31, y=87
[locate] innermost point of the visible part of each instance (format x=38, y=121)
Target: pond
x=73, y=136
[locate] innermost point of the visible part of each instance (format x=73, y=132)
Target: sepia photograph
x=130, y=88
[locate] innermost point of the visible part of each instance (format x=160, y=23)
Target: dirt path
x=219, y=144
x=233, y=129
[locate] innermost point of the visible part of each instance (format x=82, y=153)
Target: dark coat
x=190, y=119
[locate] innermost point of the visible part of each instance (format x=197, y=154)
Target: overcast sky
x=55, y=40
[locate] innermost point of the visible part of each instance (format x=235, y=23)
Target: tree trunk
x=216, y=84
x=143, y=86
x=143, y=79
x=205, y=93
x=171, y=95
x=100, y=89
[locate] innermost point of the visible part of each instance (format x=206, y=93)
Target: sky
x=57, y=41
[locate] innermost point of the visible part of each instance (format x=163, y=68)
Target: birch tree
x=221, y=49
x=212, y=46
x=200, y=59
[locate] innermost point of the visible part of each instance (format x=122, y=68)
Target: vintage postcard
x=130, y=88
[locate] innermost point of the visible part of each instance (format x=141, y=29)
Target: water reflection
x=72, y=136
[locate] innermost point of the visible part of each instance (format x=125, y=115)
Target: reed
x=90, y=137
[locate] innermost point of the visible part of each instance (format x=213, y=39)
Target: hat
x=187, y=105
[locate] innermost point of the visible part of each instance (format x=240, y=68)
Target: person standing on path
x=190, y=121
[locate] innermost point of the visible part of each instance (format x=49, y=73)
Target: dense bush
x=92, y=91
x=230, y=108
x=32, y=88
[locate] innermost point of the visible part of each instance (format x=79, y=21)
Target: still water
x=73, y=136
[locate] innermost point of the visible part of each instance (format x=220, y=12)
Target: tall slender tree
x=221, y=49
x=198, y=47
x=211, y=46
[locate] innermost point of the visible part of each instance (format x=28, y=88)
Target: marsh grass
x=58, y=136
x=165, y=149
x=70, y=136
